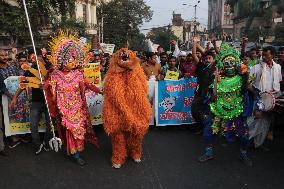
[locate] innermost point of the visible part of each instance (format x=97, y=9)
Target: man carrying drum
x=265, y=84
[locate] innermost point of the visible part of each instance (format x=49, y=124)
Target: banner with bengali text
x=92, y=72
x=95, y=106
x=173, y=101
x=17, y=120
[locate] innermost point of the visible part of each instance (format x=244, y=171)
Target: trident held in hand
x=55, y=143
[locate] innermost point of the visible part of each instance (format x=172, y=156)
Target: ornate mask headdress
x=228, y=59
x=68, y=51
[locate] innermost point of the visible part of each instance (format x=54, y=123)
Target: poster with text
x=17, y=120
x=95, y=106
x=173, y=101
x=92, y=72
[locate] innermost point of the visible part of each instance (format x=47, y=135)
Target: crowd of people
x=261, y=74
x=229, y=98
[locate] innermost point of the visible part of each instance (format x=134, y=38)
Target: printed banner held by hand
x=173, y=104
x=92, y=72
x=17, y=120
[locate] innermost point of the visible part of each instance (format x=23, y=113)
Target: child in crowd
x=170, y=71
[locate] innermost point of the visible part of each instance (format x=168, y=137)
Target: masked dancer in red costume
x=67, y=86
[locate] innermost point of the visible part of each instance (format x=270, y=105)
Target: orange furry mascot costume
x=126, y=110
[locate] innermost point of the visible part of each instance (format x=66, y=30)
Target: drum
x=266, y=102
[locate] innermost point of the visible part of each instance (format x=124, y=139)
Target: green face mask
x=229, y=67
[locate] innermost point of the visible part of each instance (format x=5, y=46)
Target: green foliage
x=137, y=42
x=163, y=37
x=13, y=21
x=245, y=8
x=122, y=19
x=48, y=8
x=71, y=25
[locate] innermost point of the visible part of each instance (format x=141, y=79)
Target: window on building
x=85, y=13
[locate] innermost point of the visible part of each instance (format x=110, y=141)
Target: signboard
x=92, y=72
x=173, y=104
x=172, y=75
x=17, y=120
x=108, y=48
x=95, y=106
x=278, y=20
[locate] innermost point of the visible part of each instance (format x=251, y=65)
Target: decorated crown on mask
x=68, y=49
x=228, y=54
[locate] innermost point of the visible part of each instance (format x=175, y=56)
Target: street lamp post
x=195, y=18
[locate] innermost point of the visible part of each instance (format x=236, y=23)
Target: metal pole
x=33, y=43
x=195, y=20
x=55, y=142
x=102, y=26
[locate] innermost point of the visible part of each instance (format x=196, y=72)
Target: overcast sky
x=163, y=10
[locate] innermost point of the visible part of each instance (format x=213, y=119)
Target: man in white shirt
x=150, y=45
x=265, y=77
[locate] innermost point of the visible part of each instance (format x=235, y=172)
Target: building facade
x=184, y=30
x=260, y=20
x=188, y=27
x=220, y=17
x=87, y=11
x=177, y=26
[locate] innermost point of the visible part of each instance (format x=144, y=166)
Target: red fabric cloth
x=49, y=97
x=72, y=145
x=188, y=69
x=75, y=125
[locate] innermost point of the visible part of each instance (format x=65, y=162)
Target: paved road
x=169, y=161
